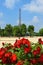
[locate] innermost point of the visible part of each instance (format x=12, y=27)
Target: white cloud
x=1, y=14
x=34, y=6
x=35, y=19
x=10, y=3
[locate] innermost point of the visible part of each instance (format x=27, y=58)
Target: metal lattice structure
x=19, y=16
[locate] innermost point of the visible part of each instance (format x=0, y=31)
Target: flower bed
x=23, y=52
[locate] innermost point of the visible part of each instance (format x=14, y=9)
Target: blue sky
x=31, y=12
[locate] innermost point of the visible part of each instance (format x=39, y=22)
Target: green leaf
x=36, y=45
x=11, y=50
x=29, y=56
x=26, y=63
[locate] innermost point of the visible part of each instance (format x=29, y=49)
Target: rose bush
x=23, y=52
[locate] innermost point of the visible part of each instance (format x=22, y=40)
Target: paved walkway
x=13, y=39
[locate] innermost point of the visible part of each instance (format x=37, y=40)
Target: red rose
x=4, y=49
x=21, y=42
x=33, y=61
x=15, y=44
x=26, y=50
x=19, y=63
x=35, y=52
x=41, y=58
x=2, y=52
x=26, y=42
x=3, y=43
x=38, y=48
x=13, y=58
x=8, y=54
x=18, y=43
x=40, y=41
x=6, y=60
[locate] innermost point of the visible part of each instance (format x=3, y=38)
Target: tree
x=41, y=32
x=36, y=34
x=31, y=30
x=2, y=32
x=16, y=31
x=23, y=29
x=8, y=30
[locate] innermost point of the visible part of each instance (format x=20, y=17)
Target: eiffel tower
x=19, y=16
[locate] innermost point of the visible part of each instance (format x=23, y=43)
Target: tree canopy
x=31, y=30
x=21, y=30
x=41, y=32
x=8, y=30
